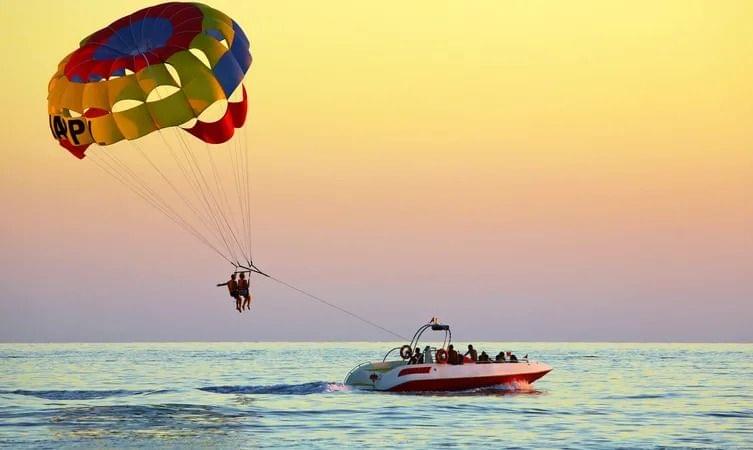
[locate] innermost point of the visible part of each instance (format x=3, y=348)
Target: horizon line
x=301, y=341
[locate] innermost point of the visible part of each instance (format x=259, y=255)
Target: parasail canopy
x=165, y=70
x=196, y=53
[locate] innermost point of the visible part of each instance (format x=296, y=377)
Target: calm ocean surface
x=248, y=395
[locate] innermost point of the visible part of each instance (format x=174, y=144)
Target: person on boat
x=472, y=353
x=483, y=357
x=418, y=356
x=452, y=355
x=427, y=355
x=243, y=292
x=511, y=356
x=232, y=287
x=500, y=357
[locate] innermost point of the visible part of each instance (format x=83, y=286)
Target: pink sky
x=593, y=183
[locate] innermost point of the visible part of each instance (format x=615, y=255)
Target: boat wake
x=317, y=387
x=79, y=394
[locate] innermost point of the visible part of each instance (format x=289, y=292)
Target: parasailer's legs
x=243, y=291
x=238, y=303
x=247, y=301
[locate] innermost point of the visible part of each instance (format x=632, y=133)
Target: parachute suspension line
x=243, y=207
x=255, y=269
x=222, y=213
x=240, y=205
x=224, y=203
x=193, y=184
x=235, y=162
x=111, y=171
x=234, y=168
x=248, y=189
x=239, y=165
x=149, y=192
x=109, y=168
x=227, y=147
x=211, y=194
x=164, y=177
x=232, y=155
x=125, y=169
x=203, y=219
x=121, y=168
x=202, y=191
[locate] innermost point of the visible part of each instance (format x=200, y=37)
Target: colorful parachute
x=163, y=70
x=159, y=71
x=198, y=51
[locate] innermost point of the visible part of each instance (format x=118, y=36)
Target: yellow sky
x=516, y=134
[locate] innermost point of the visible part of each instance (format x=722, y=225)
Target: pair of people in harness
x=239, y=290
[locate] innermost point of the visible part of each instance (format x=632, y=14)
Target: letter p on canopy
x=72, y=129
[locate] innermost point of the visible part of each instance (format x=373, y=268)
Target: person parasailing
x=232, y=287
x=243, y=291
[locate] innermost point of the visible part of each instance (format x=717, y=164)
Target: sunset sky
x=523, y=170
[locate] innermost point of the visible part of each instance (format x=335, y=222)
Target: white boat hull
x=398, y=376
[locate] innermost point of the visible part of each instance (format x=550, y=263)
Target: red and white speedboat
x=432, y=371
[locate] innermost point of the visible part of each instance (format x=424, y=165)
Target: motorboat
x=434, y=370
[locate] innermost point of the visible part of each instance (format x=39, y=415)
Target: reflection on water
x=517, y=388
x=251, y=395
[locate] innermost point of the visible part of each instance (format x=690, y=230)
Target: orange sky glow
x=523, y=170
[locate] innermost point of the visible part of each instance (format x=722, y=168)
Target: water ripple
x=79, y=394
x=252, y=395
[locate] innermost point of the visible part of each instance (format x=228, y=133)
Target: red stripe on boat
x=412, y=370
x=461, y=384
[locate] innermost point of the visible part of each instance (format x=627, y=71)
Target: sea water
x=290, y=395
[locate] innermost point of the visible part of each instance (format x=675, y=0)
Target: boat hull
x=396, y=376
